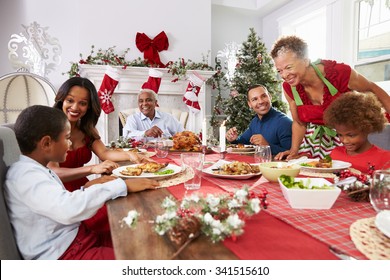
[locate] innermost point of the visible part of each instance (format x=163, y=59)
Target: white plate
x=209, y=171
x=382, y=222
x=139, y=150
x=337, y=165
x=246, y=149
x=176, y=169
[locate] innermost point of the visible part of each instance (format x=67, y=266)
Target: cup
x=195, y=162
x=263, y=154
x=161, y=148
x=380, y=190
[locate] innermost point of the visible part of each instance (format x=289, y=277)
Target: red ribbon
x=151, y=47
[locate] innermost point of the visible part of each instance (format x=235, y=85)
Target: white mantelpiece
x=125, y=96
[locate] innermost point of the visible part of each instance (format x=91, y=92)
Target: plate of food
x=325, y=165
x=233, y=170
x=240, y=149
x=151, y=170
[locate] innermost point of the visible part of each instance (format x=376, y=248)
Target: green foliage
x=254, y=67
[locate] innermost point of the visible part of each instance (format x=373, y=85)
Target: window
x=311, y=28
x=373, y=29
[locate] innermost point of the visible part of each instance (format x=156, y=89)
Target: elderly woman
x=310, y=87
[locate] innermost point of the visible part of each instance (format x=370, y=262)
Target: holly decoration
x=360, y=190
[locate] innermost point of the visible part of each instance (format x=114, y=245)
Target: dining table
x=278, y=232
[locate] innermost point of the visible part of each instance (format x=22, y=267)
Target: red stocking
x=109, y=83
x=190, y=97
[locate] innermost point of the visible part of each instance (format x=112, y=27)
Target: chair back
x=20, y=90
x=9, y=153
x=382, y=139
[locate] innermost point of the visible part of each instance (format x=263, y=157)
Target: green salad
x=164, y=172
x=289, y=183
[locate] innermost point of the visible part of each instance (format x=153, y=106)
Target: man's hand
x=232, y=134
x=154, y=132
x=258, y=139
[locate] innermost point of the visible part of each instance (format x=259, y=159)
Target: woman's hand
x=140, y=184
x=287, y=155
x=137, y=158
x=105, y=167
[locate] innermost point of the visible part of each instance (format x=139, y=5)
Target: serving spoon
x=346, y=181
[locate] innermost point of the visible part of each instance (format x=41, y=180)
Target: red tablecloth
x=266, y=235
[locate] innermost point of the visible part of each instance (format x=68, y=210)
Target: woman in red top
x=309, y=89
x=354, y=116
x=78, y=99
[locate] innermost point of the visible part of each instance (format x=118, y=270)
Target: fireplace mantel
x=125, y=96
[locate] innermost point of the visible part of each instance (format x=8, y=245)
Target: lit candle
x=204, y=133
x=222, y=137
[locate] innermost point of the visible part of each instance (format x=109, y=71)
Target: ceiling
x=260, y=7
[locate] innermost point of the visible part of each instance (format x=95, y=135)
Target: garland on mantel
x=177, y=68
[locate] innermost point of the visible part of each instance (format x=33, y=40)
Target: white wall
x=339, y=29
x=80, y=24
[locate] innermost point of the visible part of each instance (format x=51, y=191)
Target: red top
x=338, y=75
x=77, y=158
x=375, y=156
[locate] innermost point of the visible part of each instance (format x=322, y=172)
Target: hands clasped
x=155, y=132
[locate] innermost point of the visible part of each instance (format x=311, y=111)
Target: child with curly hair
x=355, y=115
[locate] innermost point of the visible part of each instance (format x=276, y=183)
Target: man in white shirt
x=149, y=122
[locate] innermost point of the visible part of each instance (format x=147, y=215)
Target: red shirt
x=338, y=75
x=375, y=156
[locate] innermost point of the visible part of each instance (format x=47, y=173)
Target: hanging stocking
x=190, y=97
x=109, y=83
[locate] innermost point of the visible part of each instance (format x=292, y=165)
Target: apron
x=319, y=140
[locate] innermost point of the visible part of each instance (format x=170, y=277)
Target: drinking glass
x=195, y=162
x=263, y=154
x=161, y=148
x=380, y=190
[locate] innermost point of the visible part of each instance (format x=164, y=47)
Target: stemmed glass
x=263, y=154
x=380, y=190
x=161, y=148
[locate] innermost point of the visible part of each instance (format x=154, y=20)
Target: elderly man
x=268, y=127
x=149, y=122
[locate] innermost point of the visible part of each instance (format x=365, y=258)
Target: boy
x=45, y=216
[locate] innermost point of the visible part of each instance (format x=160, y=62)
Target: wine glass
x=161, y=148
x=380, y=190
x=263, y=153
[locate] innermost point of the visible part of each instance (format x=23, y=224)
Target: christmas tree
x=254, y=66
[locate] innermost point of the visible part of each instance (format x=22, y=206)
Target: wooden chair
x=181, y=116
x=9, y=153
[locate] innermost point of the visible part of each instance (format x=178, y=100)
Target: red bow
x=151, y=48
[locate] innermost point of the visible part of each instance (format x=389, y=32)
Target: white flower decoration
x=131, y=219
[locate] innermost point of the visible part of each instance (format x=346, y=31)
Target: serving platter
x=337, y=165
x=176, y=169
x=236, y=150
x=210, y=171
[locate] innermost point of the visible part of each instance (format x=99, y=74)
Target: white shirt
x=44, y=215
x=138, y=123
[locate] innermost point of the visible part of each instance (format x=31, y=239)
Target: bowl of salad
x=308, y=193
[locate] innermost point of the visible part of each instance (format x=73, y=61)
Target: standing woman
x=310, y=87
x=78, y=99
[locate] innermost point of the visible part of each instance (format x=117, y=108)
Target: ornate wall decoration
x=35, y=50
